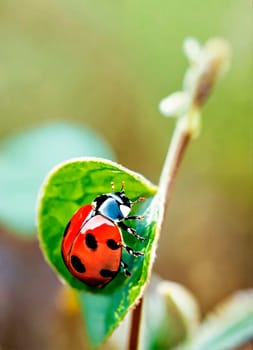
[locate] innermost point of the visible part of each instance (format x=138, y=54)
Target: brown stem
x=135, y=327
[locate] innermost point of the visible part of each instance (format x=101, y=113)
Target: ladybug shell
x=92, y=247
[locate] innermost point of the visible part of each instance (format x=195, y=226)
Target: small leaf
x=25, y=159
x=71, y=185
x=229, y=326
x=182, y=310
x=192, y=49
x=170, y=316
x=175, y=104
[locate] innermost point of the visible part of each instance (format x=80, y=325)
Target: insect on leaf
x=72, y=185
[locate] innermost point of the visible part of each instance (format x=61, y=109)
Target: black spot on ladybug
x=77, y=264
x=91, y=241
x=107, y=273
x=66, y=228
x=112, y=244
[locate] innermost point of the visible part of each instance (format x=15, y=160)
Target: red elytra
x=89, y=256
x=92, y=243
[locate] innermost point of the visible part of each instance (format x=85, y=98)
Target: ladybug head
x=115, y=206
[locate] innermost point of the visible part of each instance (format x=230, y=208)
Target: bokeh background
x=106, y=65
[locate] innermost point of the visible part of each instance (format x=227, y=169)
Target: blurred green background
x=106, y=65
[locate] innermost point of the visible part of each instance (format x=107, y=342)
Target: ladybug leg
x=130, y=230
x=135, y=217
x=131, y=251
x=140, y=199
x=124, y=267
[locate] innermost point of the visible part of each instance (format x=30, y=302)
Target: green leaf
x=229, y=326
x=25, y=159
x=71, y=185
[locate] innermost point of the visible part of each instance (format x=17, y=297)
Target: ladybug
x=92, y=243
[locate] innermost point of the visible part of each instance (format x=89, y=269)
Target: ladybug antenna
x=140, y=199
x=122, y=186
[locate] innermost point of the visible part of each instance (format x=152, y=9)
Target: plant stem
x=135, y=327
x=178, y=145
x=214, y=60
